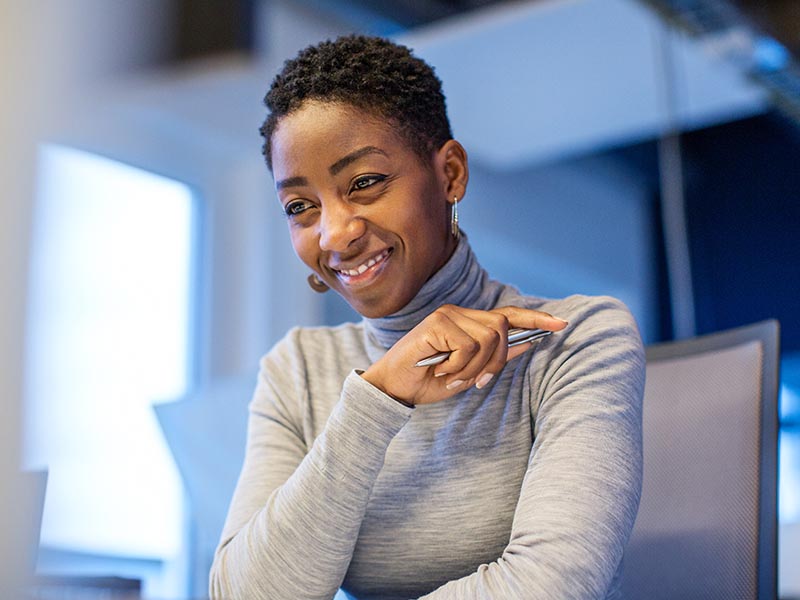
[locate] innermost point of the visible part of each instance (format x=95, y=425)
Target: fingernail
x=454, y=384
x=483, y=380
x=562, y=320
x=439, y=374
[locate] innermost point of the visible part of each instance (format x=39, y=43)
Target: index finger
x=527, y=318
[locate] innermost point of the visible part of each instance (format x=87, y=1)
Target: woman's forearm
x=297, y=543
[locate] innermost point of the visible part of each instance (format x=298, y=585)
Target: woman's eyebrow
x=354, y=156
x=291, y=182
x=334, y=168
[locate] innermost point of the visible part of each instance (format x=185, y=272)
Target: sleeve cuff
x=360, y=429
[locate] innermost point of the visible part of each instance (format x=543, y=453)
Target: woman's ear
x=454, y=169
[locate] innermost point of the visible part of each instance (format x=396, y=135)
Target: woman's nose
x=339, y=227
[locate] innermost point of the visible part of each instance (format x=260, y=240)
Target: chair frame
x=767, y=333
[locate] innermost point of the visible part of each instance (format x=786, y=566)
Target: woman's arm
x=296, y=512
x=581, y=491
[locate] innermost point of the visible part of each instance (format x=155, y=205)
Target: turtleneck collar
x=461, y=281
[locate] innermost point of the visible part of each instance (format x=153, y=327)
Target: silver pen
x=516, y=336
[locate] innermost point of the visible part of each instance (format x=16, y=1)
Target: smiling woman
x=353, y=192
x=499, y=472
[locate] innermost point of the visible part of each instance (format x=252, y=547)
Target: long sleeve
x=527, y=488
x=296, y=511
x=581, y=490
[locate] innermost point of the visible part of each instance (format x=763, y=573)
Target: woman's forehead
x=320, y=130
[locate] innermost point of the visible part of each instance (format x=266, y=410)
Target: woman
x=498, y=473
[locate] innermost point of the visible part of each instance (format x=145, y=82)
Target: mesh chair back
x=707, y=523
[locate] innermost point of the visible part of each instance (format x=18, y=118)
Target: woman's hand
x=478, y=344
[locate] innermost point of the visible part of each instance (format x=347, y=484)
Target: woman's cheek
x=303, y=246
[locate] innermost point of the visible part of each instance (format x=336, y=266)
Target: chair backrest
x=707, y=522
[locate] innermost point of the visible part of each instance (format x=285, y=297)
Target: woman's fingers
x=531, y=319
x=481, y=360
x=477, y=343
x=489, y=329
x=449, y=331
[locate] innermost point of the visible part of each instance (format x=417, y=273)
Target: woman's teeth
x=363, y=267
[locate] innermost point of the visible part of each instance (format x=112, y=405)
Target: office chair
x=707, y=522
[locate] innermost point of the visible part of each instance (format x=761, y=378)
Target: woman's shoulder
x=601, y=348
x=578, y=309
x=602, y=333
x=603, y=323
x=303, y=345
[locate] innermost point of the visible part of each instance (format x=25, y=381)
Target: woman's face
x=364, y=212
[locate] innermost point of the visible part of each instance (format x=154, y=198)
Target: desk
x=80, y=587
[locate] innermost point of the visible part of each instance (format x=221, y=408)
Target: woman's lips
x=350, y=275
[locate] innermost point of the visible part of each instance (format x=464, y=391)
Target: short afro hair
x=369, y=73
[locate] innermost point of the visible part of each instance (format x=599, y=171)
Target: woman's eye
x=296, y=207
x=366, y=181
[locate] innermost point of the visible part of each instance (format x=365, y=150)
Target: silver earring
x=454, y=230
x=316, y=284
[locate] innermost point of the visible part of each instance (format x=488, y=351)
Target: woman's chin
x=374, y=307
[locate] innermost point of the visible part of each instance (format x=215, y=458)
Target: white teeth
x=362, y=268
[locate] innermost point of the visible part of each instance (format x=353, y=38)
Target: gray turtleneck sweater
x=527, y=488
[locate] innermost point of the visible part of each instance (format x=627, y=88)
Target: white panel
x=540, y=80
x=108, y=335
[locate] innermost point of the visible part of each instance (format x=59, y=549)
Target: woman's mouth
x=365, y=269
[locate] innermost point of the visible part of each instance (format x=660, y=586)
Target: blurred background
x=645, y=149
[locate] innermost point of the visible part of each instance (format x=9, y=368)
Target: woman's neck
x=460, y=281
